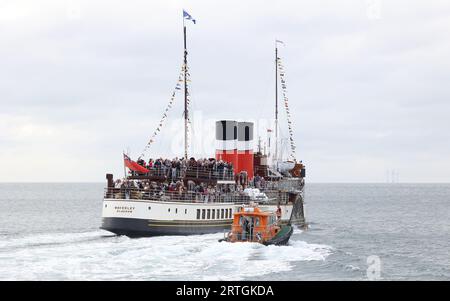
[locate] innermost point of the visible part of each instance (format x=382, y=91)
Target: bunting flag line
x=188, y=101
x=286, y=106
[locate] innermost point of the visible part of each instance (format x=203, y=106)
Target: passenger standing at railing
x=127, y=185
x=118, y=183
x=257, y=181
x=141, y=162
x=157, y=167
x=197, y=193
x=192, y=162
x=174, y=169
x=167, y=167
x=191, y=186
x=150, y=164
x=212, y=194
x=206, y=195
x=184, y=166
x=225, y=169
x=263, y=183
x=179, y=188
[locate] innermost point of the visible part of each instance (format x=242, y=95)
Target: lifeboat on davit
x=253, y=224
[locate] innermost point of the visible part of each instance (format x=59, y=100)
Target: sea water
x=355, y=232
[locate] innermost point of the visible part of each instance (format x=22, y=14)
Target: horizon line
x=103, y=182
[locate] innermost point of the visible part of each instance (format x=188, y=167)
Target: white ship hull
x=136, y=218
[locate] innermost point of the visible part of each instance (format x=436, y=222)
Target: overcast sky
x=368, y=83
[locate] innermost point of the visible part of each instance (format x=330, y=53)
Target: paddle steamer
x=250, y=177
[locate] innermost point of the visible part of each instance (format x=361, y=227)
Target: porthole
x=185, y=211
x=106, y=205
x=168, y=209
x=176, y=210
x=149, y=208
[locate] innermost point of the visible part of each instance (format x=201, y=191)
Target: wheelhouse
x=253, y=224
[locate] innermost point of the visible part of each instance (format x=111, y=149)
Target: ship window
x=203, y=213
x=149, y=208
x=185, y=211
x=247, y=133
x=213, y=214
x=106, y=205
x=257, y=222
x=218, y=214
x=168, y=209
x=176, y=210
x=208, y=214
x=198, y=213
x=221, y=213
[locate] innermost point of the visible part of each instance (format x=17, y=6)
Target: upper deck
x=195, y=174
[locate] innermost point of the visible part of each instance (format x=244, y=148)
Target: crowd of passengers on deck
x=180, y=164
x=178, y=189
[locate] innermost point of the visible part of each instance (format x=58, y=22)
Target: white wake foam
x=94, y=256
x=50, y=238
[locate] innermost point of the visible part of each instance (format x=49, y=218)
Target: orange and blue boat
x=253, y=224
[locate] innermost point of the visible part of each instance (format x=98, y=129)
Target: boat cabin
x=252, y=224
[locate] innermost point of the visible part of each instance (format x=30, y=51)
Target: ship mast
x=276, y=104
x=185, y=96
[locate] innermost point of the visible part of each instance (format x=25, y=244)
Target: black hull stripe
x=191, y=225
x=141, y=227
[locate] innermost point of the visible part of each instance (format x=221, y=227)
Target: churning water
x=50, y=232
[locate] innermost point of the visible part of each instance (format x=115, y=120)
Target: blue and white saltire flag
x=188, y=16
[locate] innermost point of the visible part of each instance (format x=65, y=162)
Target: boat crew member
x=278, y=213
x=251, y=227
x=244, y=228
